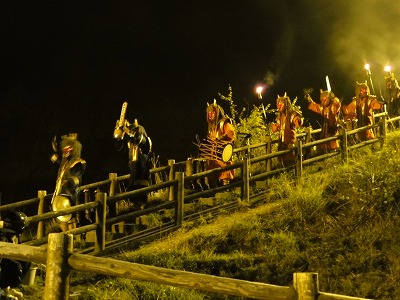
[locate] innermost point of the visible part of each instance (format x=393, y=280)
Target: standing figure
x=71, y=168
x=366, y=104
x=133, y=136
x=220, y=132
x=392, y=94
x=289, y=118
x=328, y=108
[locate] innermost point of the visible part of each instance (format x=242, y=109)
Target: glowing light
x=259, y=90
x=388, y=69
x=366, y=66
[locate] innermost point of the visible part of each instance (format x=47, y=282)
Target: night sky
x=67, y=66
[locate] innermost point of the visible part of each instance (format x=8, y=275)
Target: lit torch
x=388, y=70
x=259, y=91
x=368, y=71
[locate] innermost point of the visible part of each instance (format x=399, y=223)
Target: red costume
x=288, y=120
x=220, y=131
x=329, y=108
x=366, y=104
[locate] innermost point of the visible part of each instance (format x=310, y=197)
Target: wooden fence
x=60, y=260
x=106, y=196
x=177, y=198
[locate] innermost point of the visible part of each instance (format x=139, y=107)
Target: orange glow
x=388, y=68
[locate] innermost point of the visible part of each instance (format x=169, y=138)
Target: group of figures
x=358, y=113
x=217, y=147
x=71, y=167
x=217, y=151
x=130, y=137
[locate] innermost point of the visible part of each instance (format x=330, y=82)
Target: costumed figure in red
x=71, y=168
x=220, y=136
x=366, y=105
x=328, y=108
x=289, y=119
x=134, y=138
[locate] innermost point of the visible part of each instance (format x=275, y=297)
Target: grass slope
x=341, y=221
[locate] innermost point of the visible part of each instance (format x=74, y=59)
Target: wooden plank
x=209, y=283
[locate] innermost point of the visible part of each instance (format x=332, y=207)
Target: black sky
x=67, y=66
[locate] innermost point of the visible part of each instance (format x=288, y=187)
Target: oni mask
x=362, y=90
x=214, y=112
x=70, y=146
x=325, y=97
x=283, y=103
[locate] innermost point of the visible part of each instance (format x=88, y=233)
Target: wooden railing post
x=179, y=198
x=189, y=167
x=112, y=208
x=113, y=183
x=299, y=159
x=60, y=246
x=306, y=285
x=383, y=129
x=308, y=131
x=344, y=145
x=40, y=228
x=171, y=175
x=268, y=150
x=100, y=242
x=87, y=200
x=245, y=193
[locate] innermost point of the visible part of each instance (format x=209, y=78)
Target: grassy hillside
x=341, y=221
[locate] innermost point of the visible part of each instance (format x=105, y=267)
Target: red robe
x=365, y=109
x=331, y=118
x=286, y=125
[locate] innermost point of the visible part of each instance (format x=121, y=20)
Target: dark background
x=67, y=66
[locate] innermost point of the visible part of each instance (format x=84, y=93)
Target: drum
x=61, y=202
x=216, y=150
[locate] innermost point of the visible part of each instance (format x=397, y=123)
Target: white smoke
x=366, y=32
